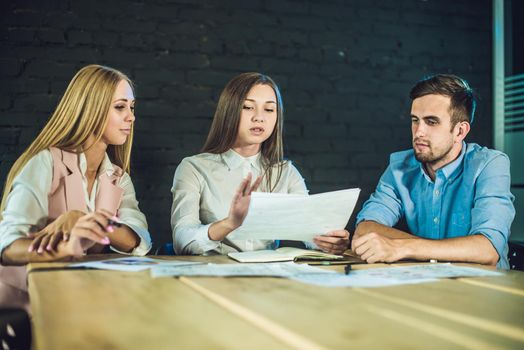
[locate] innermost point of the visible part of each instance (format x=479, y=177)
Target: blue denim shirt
x=470, y=195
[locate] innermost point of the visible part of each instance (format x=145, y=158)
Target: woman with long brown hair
x=243, y=144
x=70, y=192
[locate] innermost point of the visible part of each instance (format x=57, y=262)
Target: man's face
x=433, y=137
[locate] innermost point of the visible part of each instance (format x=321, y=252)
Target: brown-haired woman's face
x=258, y=117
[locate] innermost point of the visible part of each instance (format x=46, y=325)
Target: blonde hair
x=224, y=129
x=82, y=112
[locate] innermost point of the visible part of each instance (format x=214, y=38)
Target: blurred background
x=345, y=68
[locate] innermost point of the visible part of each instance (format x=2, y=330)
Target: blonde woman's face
x=121, y=115
x=258, y=116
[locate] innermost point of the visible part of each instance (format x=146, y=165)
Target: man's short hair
x=463, y=99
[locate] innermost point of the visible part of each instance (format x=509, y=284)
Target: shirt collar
x=234, y=160
x=105, y=168
x=450, y=168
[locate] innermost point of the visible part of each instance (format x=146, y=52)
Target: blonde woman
x=244, y=146
x=70, y=192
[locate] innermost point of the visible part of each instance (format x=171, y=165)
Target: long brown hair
x=224, y=129
x=81, y=112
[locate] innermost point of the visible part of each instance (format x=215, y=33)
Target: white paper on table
x=443, y=270
x=391, y=276
x=296, y=217
x=356, y=280
x=131, y=263
x=287, y=269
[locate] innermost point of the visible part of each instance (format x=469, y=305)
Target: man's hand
x=334, y=242
x=373, y=248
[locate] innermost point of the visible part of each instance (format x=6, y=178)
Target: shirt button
x=437, y=192
x=435, y=220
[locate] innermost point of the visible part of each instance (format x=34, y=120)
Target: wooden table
x=93, y=309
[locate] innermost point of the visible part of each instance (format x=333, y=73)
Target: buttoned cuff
x=203, y=241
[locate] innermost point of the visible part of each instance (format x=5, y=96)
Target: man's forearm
x=474, y=248
x=17, y=254
x=366, y=227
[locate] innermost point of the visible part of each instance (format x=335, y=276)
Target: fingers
x=92, y=231
x=242, y=187
x=325, y=246
x=247, y=186
x=257, y=183
x=359, y=241
x=338, y=233
x=44, y=243
x=334, y=242
x=362, y=249
x=53, y=242
x=333, y=245
x=35, y=244
x=101, y=219
x=367, y=255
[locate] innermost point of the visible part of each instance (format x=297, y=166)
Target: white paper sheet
x=132, y=263
x=391, y=276
x=281, y=216
x=287, y=269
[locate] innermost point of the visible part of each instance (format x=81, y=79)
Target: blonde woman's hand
x=89, y=230
x=240, y=202
x=59, y=230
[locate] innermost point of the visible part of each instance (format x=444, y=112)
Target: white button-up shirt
x=203, y=188
x=27, y=204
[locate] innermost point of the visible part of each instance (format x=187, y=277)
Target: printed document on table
x=287, y=269
x=296, y=217
x=391, y=276
x=131, y=263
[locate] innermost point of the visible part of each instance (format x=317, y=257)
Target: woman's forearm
x=220, y=229
x=17, y=253
x=124, y=238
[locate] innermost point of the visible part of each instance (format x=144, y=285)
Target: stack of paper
x=296, y=217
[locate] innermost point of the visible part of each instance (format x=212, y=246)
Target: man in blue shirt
x=455, y=197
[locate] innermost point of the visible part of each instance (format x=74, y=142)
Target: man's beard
x=430, y=157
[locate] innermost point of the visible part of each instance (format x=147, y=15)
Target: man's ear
x=462, y=130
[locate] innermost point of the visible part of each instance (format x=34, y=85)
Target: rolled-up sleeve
x=384, y=206
x=190, y=236
x=27, y=203
x=493, y=209
x=131, y=216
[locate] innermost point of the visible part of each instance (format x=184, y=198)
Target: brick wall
x=344, y=66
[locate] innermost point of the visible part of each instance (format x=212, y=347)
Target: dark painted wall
x=344, y=66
